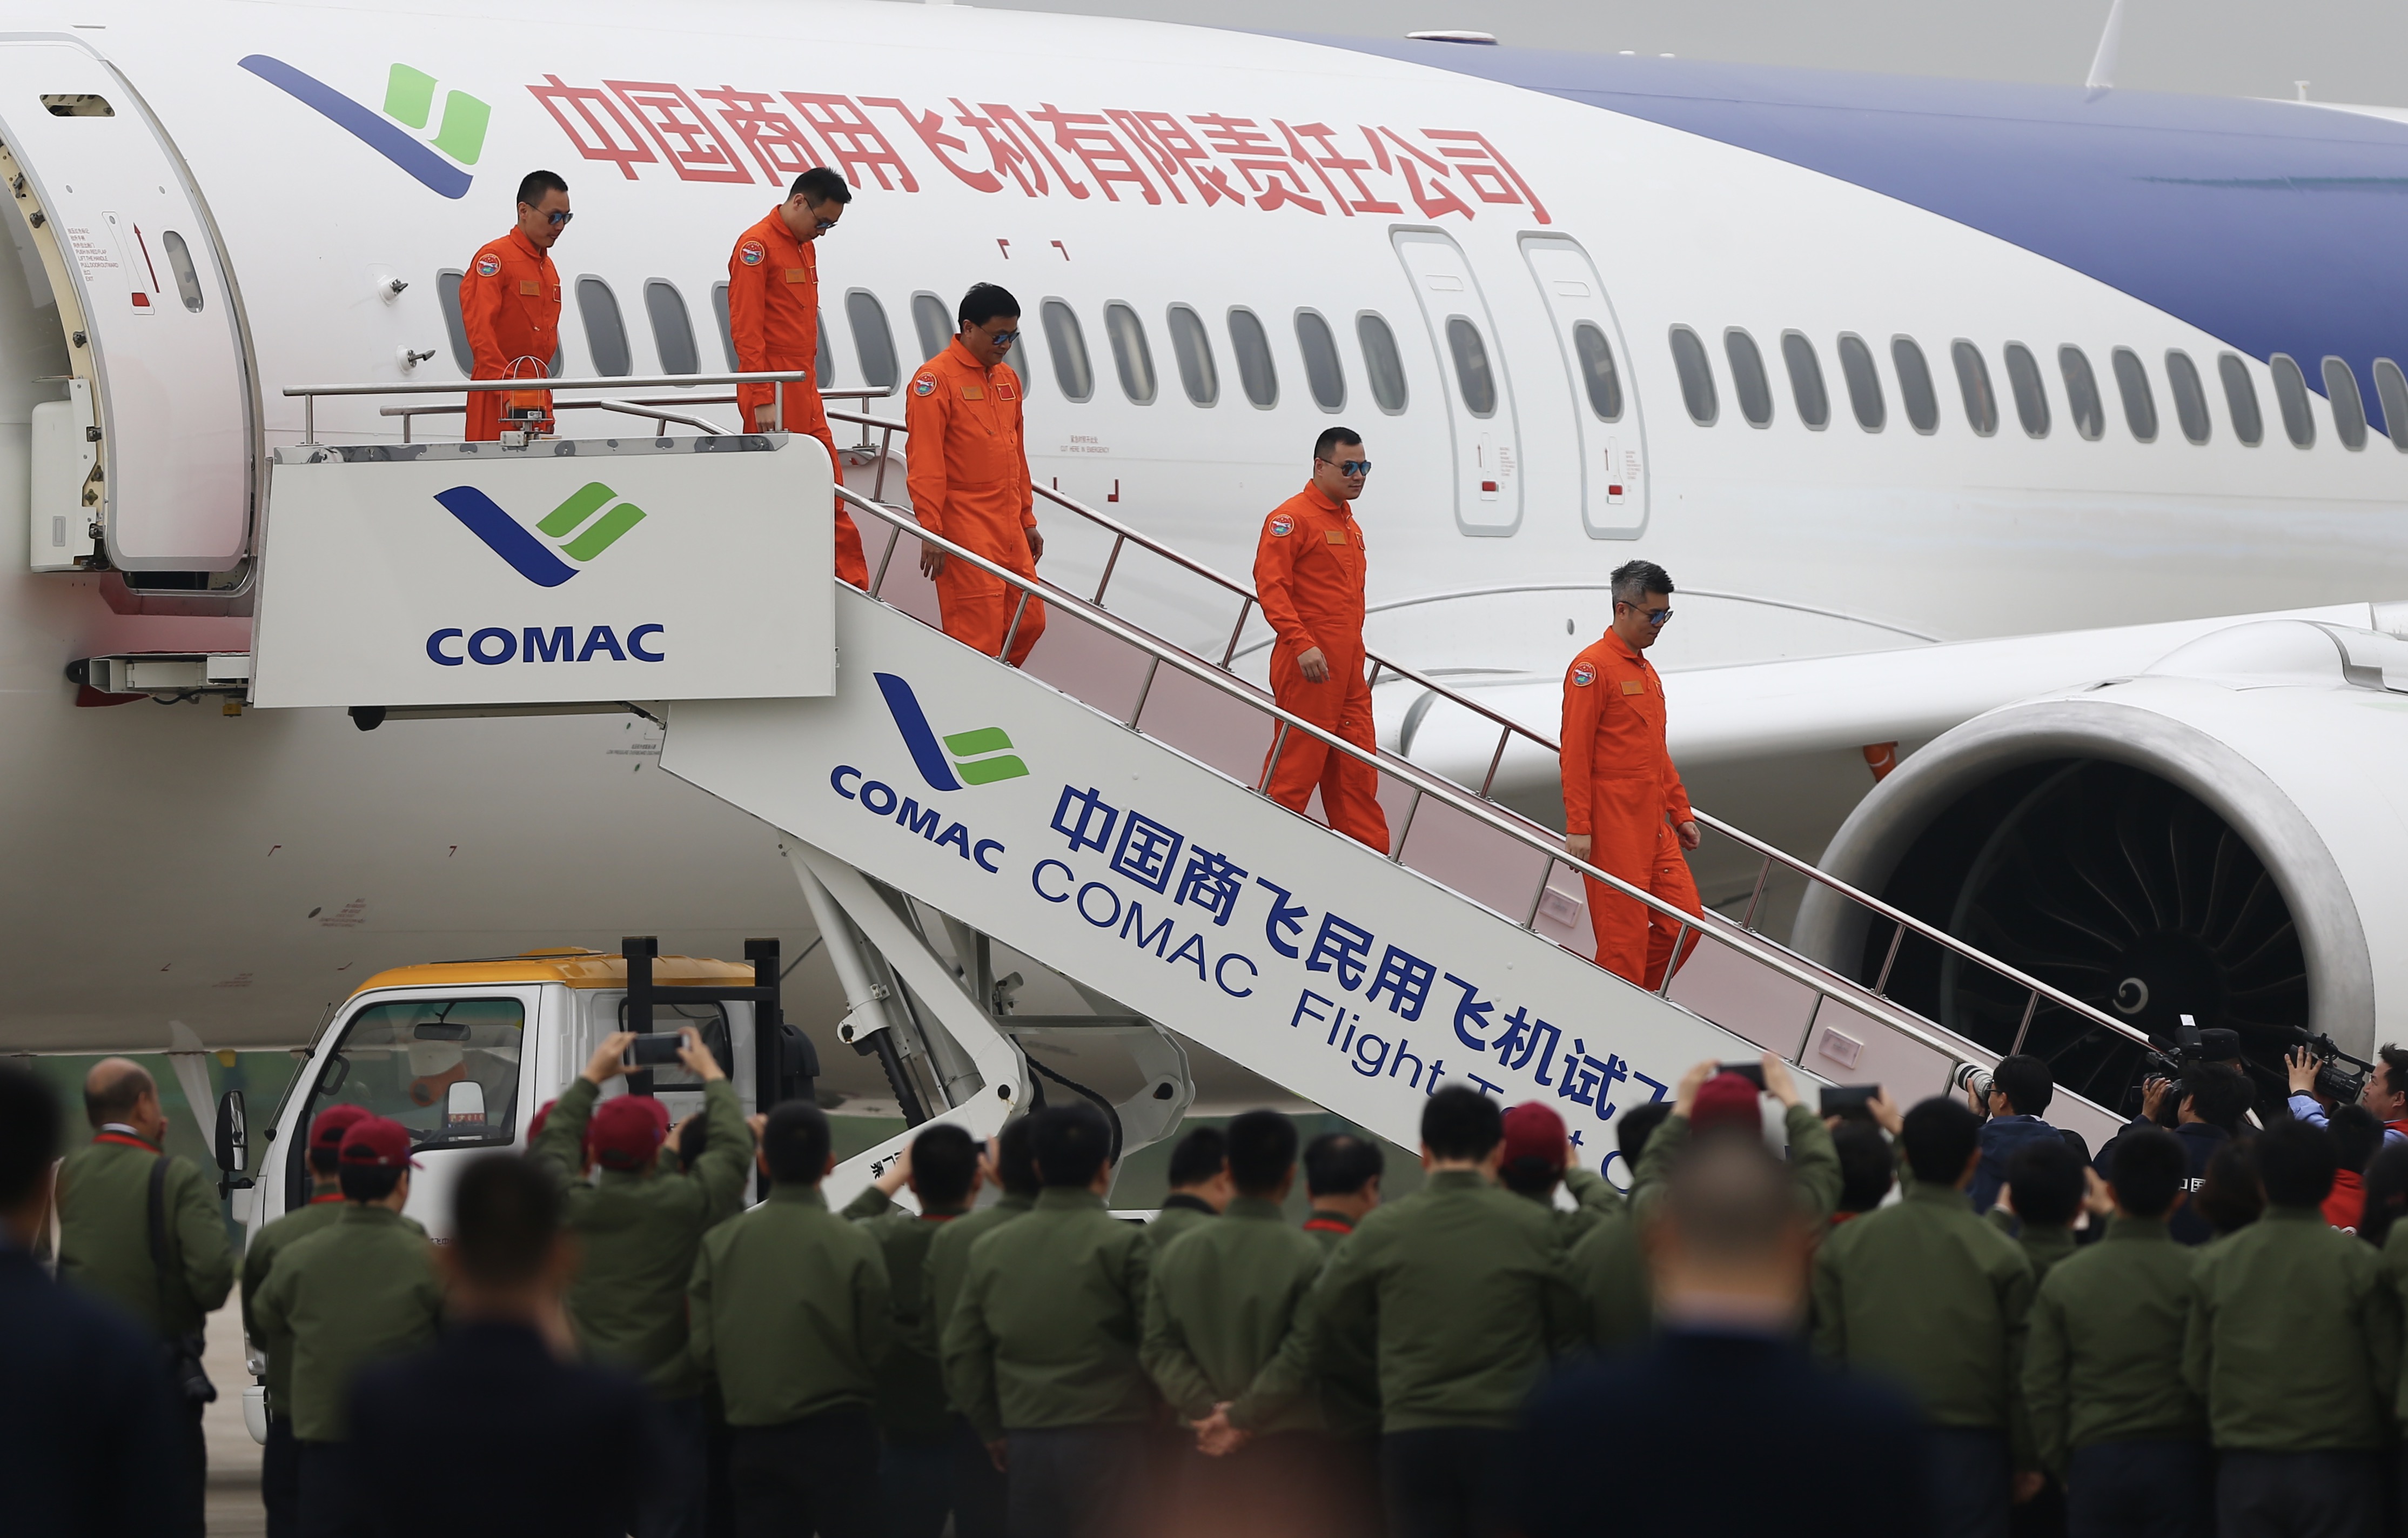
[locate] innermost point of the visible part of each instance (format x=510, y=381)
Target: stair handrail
x=1509, y=729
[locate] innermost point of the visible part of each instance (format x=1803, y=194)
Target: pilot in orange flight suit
x=773, y=315
x=970, y=477
x=510, y=304
x=1624, y=808
x=1309, y=569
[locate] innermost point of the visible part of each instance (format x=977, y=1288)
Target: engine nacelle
x=2219, y=837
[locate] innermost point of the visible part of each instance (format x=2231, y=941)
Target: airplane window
x=1864, y=383
x=188, y=279
x=1806, y=380
x=2081, y=393
x=1324, y=374
x=726, y=332
x=873, y=345
x=2241, y=399
x=605, y=334
x=447, y=293
x=2348, y=406
x=1131, y=357
x=2190, y=397
x=2291, y=395
x=1974, y=384
x=2031, y=392
x=1697, y=373
x=1253, y=349
x=1023, y=358
x=1915, y=384
x=1069, y=344
x=1471, y=375
x=934, y=324
x=2391, y=388
x=1596, y=357
x=2140, y=402
x=1748, y=382
x=823, y=356
x=1387, y=370
x=672, y=330
x=1191, y=347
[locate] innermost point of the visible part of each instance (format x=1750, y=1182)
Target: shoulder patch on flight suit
x=974, y=392
x=529, y=285
x=1282, y=526
x=924, y=385
x=1632, y=686
x=488, y=265
x=1584, y=675
x=751, y=252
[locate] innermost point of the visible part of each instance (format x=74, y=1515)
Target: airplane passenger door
x=1479, y=393
x=1613, y=439
x=145, y=299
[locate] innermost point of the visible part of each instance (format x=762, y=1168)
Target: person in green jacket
x=2111, y=1416
x=1222, y=1300
x=1199, y=1186
x=790, y=1307
x=279, y=1464
x=1538, y=1157
x=2042, y=1197
x=1341, y=1179
x=1707, y=1097
x=363, y=1290
x=941, y=1170
x=1928, y=1296
x=106, y=1242
x=639, y=1228
x=2293, y=1341
x=1465, y=1284
x=1607, y=1266
x=1010, y=1166
x=1041, y=1349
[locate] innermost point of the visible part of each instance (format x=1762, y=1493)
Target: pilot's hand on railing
x=1313, y=665
x=1036, y=545
x=1578, y=844
x=932, y=561
x=1689, y=836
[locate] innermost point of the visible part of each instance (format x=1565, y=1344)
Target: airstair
x=1100, y=813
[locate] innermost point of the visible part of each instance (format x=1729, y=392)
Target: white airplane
x=1931, y=395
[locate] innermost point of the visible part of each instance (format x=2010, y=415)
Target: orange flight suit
x=773, y=313
x=1309, y=569
x=509, y=305
x=1620, y=788
x=968, y=475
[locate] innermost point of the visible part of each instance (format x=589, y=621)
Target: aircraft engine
x=2220, y=836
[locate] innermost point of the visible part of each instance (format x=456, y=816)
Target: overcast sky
x=2347, y=51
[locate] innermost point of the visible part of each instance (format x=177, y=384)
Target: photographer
x=2018, y=1092
x=2383, y=1090
x=2208, y=1104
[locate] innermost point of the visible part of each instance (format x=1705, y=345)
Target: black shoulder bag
x=189, y=1378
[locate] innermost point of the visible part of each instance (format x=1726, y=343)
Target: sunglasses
x=1351, y=466
x=1004, y=338
x=556, y=220
x=1654, y=616
x=824, y=225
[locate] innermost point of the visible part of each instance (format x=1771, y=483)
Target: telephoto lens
x=1976, y=1078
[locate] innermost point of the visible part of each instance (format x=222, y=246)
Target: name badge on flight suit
x=1632, y=686
x=974, y=392
x=529, y=286
x=797, y=274
x=1335, y=535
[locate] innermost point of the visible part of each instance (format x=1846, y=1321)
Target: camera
x=1975, y=1079
x=2340, y=1077
x=1849, y=1100
x=653, y=1051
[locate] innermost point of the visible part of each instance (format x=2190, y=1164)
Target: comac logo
x=981, y=757
x=534, y=560
x=409, y=102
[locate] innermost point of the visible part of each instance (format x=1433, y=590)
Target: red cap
x=534, y=1123
x=1726, y=1100
x=327, y=1129
x=375, y=1143
x=626, y=1131
x=1533, y=1131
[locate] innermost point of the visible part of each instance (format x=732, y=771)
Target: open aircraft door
x=1612, y=438
x=1479, y=393
x=153, y=444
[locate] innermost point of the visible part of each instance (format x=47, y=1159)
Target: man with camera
x=2011, y=1096
x=640, y=1229
x=2382, y=1090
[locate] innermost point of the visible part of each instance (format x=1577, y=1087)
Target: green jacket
x=260, y=1259
x=1046, y=1330
x=1814, y=1160
x=2293, y=1338
x=639, y=1232
x=2042, y=1247
x=1609, y=1271
x=911, y=1401
x=1179, y=1215
x=2104, y=1360
x=105, y=1235
x=361, y=1291
x=1932, y=1298
x=1221, y=1299
x=1465, y=1284
x=949, y=1263
x=1594, y=1199
x=790, y=1307
x=1350, y=1364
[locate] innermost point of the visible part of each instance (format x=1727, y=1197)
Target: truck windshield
x=408, y=1060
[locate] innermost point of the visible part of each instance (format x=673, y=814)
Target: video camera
x=2340, y=1077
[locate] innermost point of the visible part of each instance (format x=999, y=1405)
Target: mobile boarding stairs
x=1098, y=815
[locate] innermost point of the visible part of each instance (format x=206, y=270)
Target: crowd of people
x=1949, y=1319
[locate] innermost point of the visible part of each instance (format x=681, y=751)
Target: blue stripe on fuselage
x=2275, y=226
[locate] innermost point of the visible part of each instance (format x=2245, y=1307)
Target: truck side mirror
x=464, y=1112
x=233, y=1140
